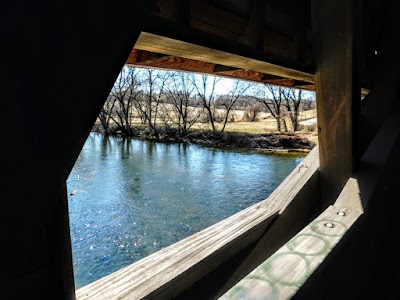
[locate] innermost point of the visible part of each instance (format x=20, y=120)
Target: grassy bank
x=260, y=135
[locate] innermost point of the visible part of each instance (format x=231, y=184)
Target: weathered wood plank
x=284, y=194
x=169, y=271
x=143, y=58
x=207, y=17
x=281, y=275
x=281, y=82
x=256, y=24
x=221, y=68
x=173, y=10
x=155, y=43
x=175, y=63
x=376, y=157
x=336, y=86
x=243, y=74
x=153, y=274
x=352, y=201
x=300, y=196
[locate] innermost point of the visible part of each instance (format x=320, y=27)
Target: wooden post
x=337, y=88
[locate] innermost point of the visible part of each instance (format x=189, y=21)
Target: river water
x=129, y=198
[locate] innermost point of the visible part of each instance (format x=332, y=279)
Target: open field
x=265, y=123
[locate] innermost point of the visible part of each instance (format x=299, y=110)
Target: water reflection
x=131, y=197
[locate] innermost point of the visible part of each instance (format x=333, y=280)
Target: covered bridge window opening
x=128, y=197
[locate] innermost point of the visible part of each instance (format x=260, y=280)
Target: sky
x=224, y=85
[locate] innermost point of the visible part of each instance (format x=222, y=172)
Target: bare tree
x=153, y=84
x=122, y=95
x=179, y=95
x=272, y=98
x=105, y=114
x=293, y=100
x=237, y=90
x=251, y=111
x=205, y=88
x=308, y=102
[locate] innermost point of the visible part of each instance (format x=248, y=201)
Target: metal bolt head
x=329, y=225
x=341, y=213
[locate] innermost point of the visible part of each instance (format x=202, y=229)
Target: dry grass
x=257, y=127
x=265, y=124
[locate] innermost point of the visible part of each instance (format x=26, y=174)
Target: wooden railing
x=170, y=271
x=282, y=274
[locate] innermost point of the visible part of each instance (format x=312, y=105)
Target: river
x=129, y=198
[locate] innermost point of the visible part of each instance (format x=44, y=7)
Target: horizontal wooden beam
x=175, y=63
x=145, y=57
x=243, y=74
x=309, y=87
x=282, y=82
x=155, y=43
x=221, y=22
x=149, y=59
x=221, y=68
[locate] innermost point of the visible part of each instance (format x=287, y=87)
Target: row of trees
x=161, y=100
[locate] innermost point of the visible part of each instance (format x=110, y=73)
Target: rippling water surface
x=129, y=198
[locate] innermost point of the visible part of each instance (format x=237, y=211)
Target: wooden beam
x=221, y=68
x=133, y=57
x=358, y=261
x=269, y=76
x=282, y=275
x=147, y=57
x=336, y=86
x=209, y=18
x=300, y=31
x=173, y=10
x=169, y=62
x=243, y=74
x=155, y=43
x=300, y=191
x=182, y=11
x=308, y=87
x=281, y=82
x=171, y=270
x=143, y=58
x=256, y=24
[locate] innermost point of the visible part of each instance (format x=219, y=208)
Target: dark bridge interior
x=59, y=60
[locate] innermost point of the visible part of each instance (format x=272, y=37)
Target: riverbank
x=276, y=142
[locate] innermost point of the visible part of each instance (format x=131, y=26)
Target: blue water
x=129, y=198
